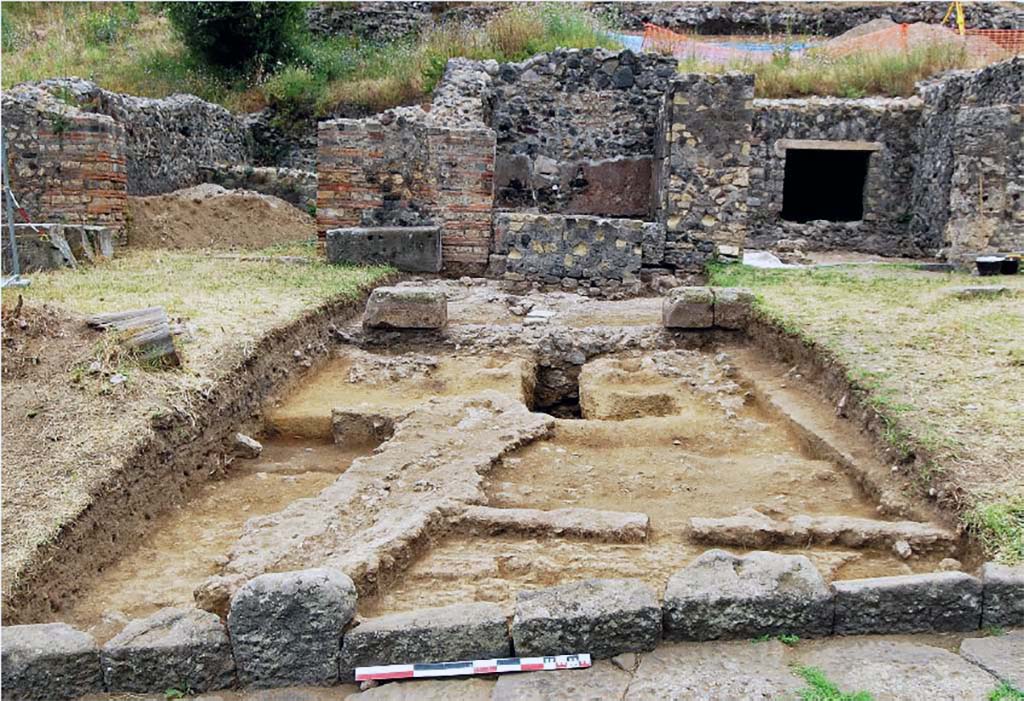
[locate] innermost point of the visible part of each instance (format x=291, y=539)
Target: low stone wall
x=294, y=627
x=883, y=128
x=67, y=165
x=297, y=187
x=574, y=251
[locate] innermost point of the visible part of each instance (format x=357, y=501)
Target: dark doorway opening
x=824, y=184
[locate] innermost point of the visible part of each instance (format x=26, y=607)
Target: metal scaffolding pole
x=14, y=280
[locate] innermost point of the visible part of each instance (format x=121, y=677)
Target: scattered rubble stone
x=720, y=595
x=448, y=634
x=48, y=661
x=247, y=447
x=918, y=603
x=604, y=617
x=287, y=628
x=179, y=648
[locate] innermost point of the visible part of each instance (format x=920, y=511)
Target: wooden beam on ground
x=145, y=332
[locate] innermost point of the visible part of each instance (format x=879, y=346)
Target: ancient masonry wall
x=703, y=167
x=404, y=170
x=66, y=165
x=968, y=194
x=883, y=128
x=576, y=130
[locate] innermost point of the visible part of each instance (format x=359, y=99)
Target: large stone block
x=1001, y=655
x=406, y=308
x=603, y=617
x=720, y=595
x=688, y=308
x=286, y=628
x=733, y=306
x=447, y=634
x=917, y=603
x=48, y=661
x=414, y=249
x=1003, y=603
x=181, y=648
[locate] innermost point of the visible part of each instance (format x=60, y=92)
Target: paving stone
x=603, y=617
x=48, y=661
x=414, y=249
x=688, y=308
x=1001, y=655
x=429, y=690
x=286, y=628
x=720, y=671
x=446, y=634
x=181, y=648
x=720, y=595
x=1003, y=596
x=601, y=682
x=892, y=670
x=406, y=308
x=917, y=603
x=733, y=306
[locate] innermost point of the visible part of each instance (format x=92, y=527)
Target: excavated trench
x=415, y=465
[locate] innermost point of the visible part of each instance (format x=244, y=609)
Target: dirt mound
x=886, y=36
x=209, y=216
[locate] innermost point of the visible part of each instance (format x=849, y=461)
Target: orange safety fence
x=984, y=44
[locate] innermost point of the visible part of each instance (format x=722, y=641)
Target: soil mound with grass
x=209, y=216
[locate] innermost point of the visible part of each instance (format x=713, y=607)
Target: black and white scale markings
x=456, y=669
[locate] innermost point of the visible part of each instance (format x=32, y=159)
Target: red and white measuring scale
x=458, y=669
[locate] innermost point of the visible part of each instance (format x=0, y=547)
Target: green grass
x=857, y=75
x=1005, y=692
x=941, y=372
x=131, y=48
x=819, y=688
x=784, y=638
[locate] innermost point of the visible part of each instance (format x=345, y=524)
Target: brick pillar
x=705, y=174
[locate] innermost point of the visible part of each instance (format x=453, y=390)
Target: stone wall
x=575, y=130
x=828, y=18
x=703, y=167
x=403, y=169
x=885, y=128
x=575, y=251
x=66, y=165
x=969, y=154
x=297, y=187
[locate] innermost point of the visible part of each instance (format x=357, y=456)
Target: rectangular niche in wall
x=824, y=184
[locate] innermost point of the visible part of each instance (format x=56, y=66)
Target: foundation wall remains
x=883, y=129
x=66, y=165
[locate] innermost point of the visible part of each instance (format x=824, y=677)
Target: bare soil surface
x=209, y=216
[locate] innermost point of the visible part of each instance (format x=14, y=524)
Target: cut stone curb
x=1003, y=604
x=732, y=307
x=688, y=308
x=720, y=595
x=48, y=661
x=917, y=603
x=598, y=683
x=181, y=648
x=286, y=628
x=414, y=249
x=603, y=617
x=406, y=308
x=446, y=634
x=590, y=524
x=1001, y=655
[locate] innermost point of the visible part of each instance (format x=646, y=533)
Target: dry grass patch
x=944, y=372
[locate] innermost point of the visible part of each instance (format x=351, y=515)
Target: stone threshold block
x=917, y=603
x=413, y=249
x=603, y=617
x=722, y=596
x=688, y=308
x=446, y=634
x=48, y=661
x=406, y=308
x=286, y=628
x=1003, y=604
x=180, y=648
